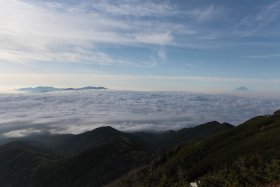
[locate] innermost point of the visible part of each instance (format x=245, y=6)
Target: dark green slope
x=17, y=161
x=66, y=145
x=247, y=155
x=185, y=135
x=98, y=157
x=94, y=167
x=107, y=155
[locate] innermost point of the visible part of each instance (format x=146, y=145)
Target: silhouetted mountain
x=215, y=154
x=247, y=155
x=17, y=162
x=68, y=145
x=89, y=159
x=89, y=162
x=170, y=138
x=94, y=167
x=277, y=113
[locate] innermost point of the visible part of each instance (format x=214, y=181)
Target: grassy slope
x=238, y=157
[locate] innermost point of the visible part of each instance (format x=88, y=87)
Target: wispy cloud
x=162, y=54
x=134, y=8
x=39, y=32
x=22, y=132
x=206, y=13
x=254, y=22
x=43, y=31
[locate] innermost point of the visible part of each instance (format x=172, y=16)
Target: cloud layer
x=79, y=111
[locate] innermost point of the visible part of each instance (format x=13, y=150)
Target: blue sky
x=180, y=45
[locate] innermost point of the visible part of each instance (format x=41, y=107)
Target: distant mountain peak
x=107, y=131
x=45, y=89
x=242, y=88
x=39, y=89
x=227, y=124
x=214, y=123
x=106, y=128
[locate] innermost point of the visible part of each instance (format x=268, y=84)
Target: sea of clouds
x=79, y=111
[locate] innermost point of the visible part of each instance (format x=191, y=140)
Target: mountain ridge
x=247, y=155
x=46, y=89
x=216, y=154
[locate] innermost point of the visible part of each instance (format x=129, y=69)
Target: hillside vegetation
x=247, y=155
x=212, y=154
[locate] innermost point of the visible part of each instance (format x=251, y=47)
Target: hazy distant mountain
x=40, y=89
x=86, y=88
x=44, y=89
x=242, y=88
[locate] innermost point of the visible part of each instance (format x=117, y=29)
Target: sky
x=173, y=45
